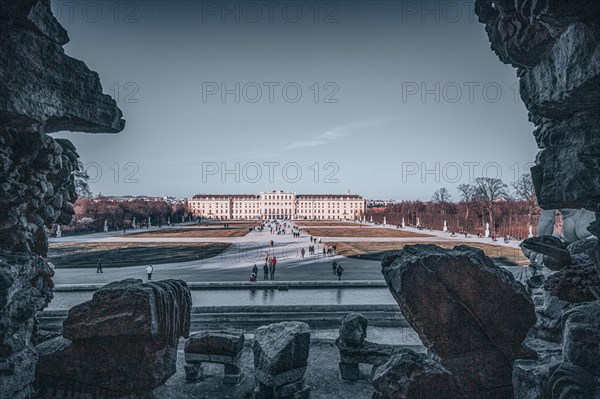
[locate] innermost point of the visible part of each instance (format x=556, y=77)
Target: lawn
x=362, y=232
x=86, y=255
x=376, y=250
x=191, y=232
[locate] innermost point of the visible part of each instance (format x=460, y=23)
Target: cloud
x=336, y=133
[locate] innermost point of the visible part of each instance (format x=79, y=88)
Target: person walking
x=255, y=270
x=334, y=266
x=99, y=267
x=340, y=270
x=149, y=271
x=272, y=267
x=302, y=252
x=266, y=270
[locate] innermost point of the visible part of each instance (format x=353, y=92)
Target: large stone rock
x=410, y=375
x=353, y=329
x=354, y=349
x=123, y=341
x=228, y=343
x=472, y=315
x=581, y=343
x=51, y=89
x=280, y=356
x=223, y=346
x=130, y=308
x=555, y=252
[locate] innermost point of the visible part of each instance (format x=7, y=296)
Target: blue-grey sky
x=387, y=99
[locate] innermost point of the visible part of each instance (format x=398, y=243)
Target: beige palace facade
x=278, y=205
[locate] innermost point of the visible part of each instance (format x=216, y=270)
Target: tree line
x=509, y=211
x=92, y=213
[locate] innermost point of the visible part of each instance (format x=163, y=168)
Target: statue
x=487, y=230
x=445, y=226
x=403, y=224
x=106, y=226
x=418, y=222
x=575, y=223
x=58, y=232
x=530, y=232
x=149, y=222
x=133, y=223
x=169, y=221
x=546, y=223
x=384, y=221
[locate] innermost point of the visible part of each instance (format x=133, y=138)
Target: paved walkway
x=235, y=263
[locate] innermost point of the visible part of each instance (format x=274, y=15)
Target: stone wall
x=42, y=90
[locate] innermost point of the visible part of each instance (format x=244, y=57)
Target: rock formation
x=42, y=90
x=555, y=45
x=121, y=342
x=569, y=368
x=355, y=349
x=224, y=347
x=471, y=314
x=280, y=360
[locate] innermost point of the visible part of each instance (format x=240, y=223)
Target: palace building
x=278, y=205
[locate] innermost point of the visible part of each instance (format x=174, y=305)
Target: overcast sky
x=386, y=99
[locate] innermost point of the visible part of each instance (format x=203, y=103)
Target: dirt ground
x=354, y=249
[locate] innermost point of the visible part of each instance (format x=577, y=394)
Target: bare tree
x=525, y=191
x=468, y=195
x=441, y=196
x=488, y=191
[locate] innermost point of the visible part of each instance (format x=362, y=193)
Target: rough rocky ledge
x=42, y=90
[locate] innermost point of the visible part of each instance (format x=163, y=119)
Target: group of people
x=337, y=269
x=279, y=228
x=268, y=268
x=296, y=232
x=329, y=250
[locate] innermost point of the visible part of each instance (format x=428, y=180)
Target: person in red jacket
x=272, y=267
